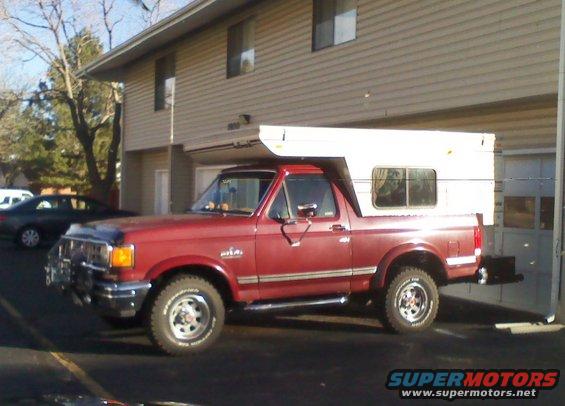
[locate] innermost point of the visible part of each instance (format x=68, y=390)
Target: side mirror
x=307, y=210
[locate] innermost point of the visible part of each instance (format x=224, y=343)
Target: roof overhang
x=197, y=14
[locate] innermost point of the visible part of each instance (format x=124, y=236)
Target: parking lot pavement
x=333, y=356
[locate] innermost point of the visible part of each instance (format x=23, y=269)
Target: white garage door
x=525, y=232
x=527, y=229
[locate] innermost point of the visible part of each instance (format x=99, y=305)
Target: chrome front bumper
x=84, y=284
x=123, y=299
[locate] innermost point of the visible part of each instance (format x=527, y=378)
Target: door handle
x=338, y=227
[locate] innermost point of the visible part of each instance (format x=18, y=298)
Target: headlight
x=122, y=257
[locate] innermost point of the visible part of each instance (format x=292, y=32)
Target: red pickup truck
x=265, y=237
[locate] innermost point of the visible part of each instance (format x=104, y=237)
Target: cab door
x=302, y=240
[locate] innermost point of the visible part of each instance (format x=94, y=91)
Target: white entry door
x=161, y=192
x=527, y=229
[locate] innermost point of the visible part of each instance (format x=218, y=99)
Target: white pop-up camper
x=463, y=164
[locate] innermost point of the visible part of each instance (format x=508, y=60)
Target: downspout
x=123, y=163
x=556, y=277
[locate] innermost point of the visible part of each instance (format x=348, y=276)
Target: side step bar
x=267, y=306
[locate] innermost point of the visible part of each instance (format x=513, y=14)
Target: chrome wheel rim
x=412, y=302
x=30, y=237
x=189, y=316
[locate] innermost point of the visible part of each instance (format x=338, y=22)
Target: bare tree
x=155, y=10
x=9, y=103
x=52, y=34
x=58, y=33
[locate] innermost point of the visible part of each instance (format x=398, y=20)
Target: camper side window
x=422, y=187
x=404, y=187
x=389, y=187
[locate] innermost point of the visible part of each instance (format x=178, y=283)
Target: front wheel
x=411, y=301
x=186, y=316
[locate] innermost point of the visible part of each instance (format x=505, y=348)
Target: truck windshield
x=235, y=193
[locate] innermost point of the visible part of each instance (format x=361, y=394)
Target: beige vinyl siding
x=410, y=57
x=145, y=127
x=131, y=185
x=151, y=161
x=517, y=126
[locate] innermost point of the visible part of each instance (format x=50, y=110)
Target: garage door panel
x=521, y=177
x=548, y=177
x=532, y=178
x=524, y=232
x=545, y=259
x=523, y=246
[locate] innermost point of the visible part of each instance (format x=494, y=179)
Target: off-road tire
x=391, y=313
x=159, y=312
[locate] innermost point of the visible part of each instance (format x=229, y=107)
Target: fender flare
x=405, y=248
x=193, y=260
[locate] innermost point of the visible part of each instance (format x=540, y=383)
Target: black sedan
x=46, y=218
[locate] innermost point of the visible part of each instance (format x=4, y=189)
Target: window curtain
x=379, y=179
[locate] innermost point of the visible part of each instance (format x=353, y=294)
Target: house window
x=164, y=82
x=520, y=212
x=404, y=187
x=547, y=204
x=241, y=48
x=335, y=22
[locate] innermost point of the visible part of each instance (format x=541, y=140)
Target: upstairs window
x=404, y=187
x=164, y=82
x=241, y=48
x=335, y=22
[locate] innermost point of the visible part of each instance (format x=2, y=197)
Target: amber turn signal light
x=122, y=257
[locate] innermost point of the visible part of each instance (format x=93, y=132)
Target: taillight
x=478, y=240
x=2, y=218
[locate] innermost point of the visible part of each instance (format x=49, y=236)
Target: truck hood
x=116, y=230
x=131, y=224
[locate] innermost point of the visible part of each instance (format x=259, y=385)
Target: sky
x=18, y=69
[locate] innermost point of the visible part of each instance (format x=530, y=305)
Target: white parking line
x=89, y=383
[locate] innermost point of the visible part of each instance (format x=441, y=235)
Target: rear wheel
x=186, y=316
x=29, y=237
x=411, y=301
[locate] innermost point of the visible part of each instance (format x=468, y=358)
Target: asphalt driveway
x=334, y=356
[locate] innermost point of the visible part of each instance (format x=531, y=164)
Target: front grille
x=92, y=254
